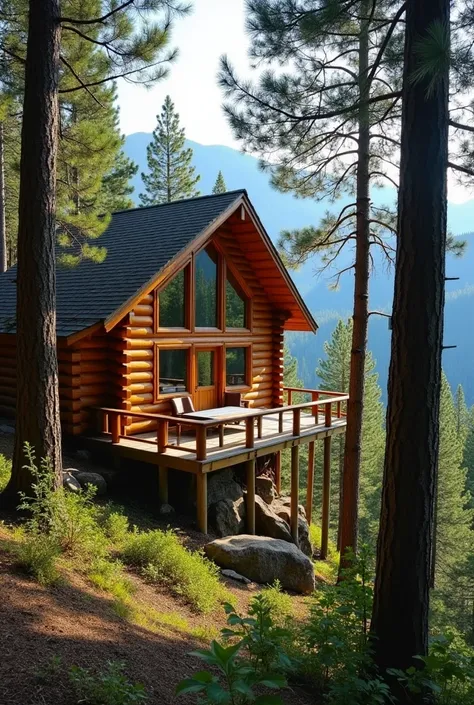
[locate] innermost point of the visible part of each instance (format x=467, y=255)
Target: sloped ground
x=46, y=630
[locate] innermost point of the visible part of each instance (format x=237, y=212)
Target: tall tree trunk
x=37, y=411
x=350, y=486
x=400, y=616
x=3, y=221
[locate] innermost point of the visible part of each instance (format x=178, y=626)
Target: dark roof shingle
x=139, y=243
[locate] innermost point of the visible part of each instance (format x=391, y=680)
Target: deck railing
x=329, y=405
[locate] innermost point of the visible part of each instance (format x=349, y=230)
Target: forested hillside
x=282, y=211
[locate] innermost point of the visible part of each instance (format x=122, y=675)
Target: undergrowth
x=107, y=687
x=5, y=471
x=325, y=570
x=162, y=559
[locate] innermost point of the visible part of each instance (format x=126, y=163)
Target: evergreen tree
x=462, y=414
x=454, y=553
x=468, y=459
x=170, y=176
x=116, y=186
x=219, y=186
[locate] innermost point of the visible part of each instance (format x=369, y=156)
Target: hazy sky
x=215, y=27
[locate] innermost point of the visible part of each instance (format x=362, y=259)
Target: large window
x=171, y=303
x=235, y=304
x=173, y=370
x=236, y=367
x=206, y=288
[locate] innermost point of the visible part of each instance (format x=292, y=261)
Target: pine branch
x=460, y=126
x=81, y=82
x=124, y=74
x=97, y=20
x=462, y=169
x=385, y=42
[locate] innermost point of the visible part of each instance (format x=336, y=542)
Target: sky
x=214, y=28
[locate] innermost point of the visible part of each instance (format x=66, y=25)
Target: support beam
x=201, y=501
x=250, y=476
x=163, y=484
x=295, y=481
x=326, y=497
x=278, y=471
x=310, y=482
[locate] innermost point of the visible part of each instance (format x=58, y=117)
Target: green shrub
x=37, y=555
x=115, y=525
x=108, y=575
x=280, y=603
x=108, y=687
x=5, y=471
x=163, y=559
x=327, y=569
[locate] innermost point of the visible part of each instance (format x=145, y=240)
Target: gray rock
x=92, y=478
x=282, y=507
x=264, y=560
x=222, y=485
x=6, y=429
x=268, y=523
x=235, y=576
x=228, y=516
x=166, y=509
x=70, y=482
x=265, y=488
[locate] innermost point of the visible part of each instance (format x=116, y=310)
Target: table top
x=216, y=413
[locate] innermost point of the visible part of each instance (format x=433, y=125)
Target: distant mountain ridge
x=283, y=211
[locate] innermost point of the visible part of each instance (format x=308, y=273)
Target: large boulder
x=282, y=508
x=264, y=560
x=92, y=478
x=222, y=485
x=265, y=488
x=268, y=523
x=227, y=516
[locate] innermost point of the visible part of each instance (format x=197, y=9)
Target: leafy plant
x=5, y=471
x=280, y=603
x=49, y=669
x=108, y=687
x=37, y=555
x=236, y=682
x=163, y=559
x=115, y=525
x=446, y=676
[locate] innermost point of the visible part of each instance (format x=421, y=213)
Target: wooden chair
x=181, y=406
x=234, y=399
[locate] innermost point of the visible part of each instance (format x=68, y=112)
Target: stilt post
x=326, y=497
x=250, y=473
x=201, y=501
x=310, y=483
x=295, y=477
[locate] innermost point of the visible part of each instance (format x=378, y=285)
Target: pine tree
x=170, y=176
x=219, y=186
x=453, y=525
x=462, y=414
x=468, y=458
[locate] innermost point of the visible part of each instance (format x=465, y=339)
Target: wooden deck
x=247, y=436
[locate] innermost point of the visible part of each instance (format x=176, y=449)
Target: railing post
x=290, y=397
x=115, y=424
x=201, y=443
x=162, y=436
x=250, y=472
x=280, y=422
x=328, y=414
x=310, y=482
x=339, y=409
x=295, y=481
x=250, y=432
x=326, y=497
x=296, y=422
x=315, y=409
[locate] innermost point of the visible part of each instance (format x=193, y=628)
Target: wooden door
x=207, y=392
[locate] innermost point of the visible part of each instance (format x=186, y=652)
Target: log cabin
x=192, y=300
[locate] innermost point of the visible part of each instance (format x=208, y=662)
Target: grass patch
x=325, y=570
x=109, y=576
x=164, y=560
x=280, y=603
x=5, y=471
x=37, y=556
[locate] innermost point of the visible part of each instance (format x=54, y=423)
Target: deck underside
x=144, y=448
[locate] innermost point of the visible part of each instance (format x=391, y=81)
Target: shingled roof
x=140, y=242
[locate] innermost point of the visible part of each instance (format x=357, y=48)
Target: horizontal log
x=143, y=310
x=91, y=343
x=152, y=408
x=7, y=392
x=140, y=321
x=138, y=365
x=139, y=344
x=141, y=427
x=95, y=354
x=138, y=332
x=95, y=378
x=138, y=354
x=134, y=377
x=139, y=398
x=140, y=387
x=92, y=401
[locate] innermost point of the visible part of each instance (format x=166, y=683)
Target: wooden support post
x=162, y=436
x=326, y=497
x=221, y=435
x=295, y=480
x=278, y=471
x=250, y=472
x=201, y=443
x=250, y=432
x=296, y=422
x=315, y=409
x=115, y=427
x=163, y=484
x=310, y=483
x=339, y=409
x=259, y=426
x=328, y=414
x=201, y=501
x=290, y=397
x=280, y=422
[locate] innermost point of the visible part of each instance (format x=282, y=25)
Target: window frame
x=159, y=396
x=248, y=367
x=188, y=308
x=220, y=294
